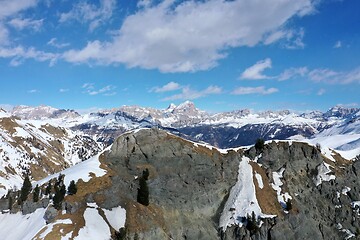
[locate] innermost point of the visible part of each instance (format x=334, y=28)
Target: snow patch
x=116, y=217
x=95, y=226
x=324, y=174
x=283, y=197
x=18, y=226
x=242, y=199
x=259, y=180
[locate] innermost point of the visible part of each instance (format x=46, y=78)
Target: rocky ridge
x=195, y=191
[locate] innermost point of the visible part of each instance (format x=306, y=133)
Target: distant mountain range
x=224, y=130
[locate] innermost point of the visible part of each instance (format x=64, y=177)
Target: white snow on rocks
x=282, y=196
x=116, y=217
x=242, y=199
x=79, y=171
x=324, y=174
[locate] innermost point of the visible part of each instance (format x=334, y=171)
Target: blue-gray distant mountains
x=223, y=130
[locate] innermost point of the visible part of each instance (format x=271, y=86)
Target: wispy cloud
x=90, y=13
x=190, y=94
x=293, y=72
x=22, y=23
x=20, y=54
x=158, y=36
x=54, y=42
x=338, y=44
x=254, y=90
x=90, y=89
x=171, y=86
x=63, y=90
x=255, y=72
x=321, y=92
x=33, y=91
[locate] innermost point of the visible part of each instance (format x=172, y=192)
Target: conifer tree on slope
x=25, y=189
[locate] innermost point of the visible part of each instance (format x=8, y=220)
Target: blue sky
x=222, y=55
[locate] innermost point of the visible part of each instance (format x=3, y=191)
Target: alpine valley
x=179, y=173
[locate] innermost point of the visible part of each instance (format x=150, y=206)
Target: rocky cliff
x=284, y=190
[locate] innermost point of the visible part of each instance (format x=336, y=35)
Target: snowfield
x=242, y=199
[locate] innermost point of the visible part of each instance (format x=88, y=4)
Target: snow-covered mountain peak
x=42, y=112
x=341, y=112
x=170, y=108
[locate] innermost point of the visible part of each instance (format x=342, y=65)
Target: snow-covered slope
x=38, y=148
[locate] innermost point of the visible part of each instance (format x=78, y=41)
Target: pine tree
x=72, y=189
x=143, y=190
x=48, y=189
x=259, y=145
x=60, y=192
x=36, y=193
x=25, y=189
x=10, y=202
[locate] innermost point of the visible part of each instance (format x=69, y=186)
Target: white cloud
x=22, y=23
x=54, y=42
x=106, y=91
x=289, y=38
x=90, y=13
x=19, y=54
x=33, y=91
x=11, y=7
x=255, y=72
x=322, y=75
x=189, y=94
x=347, y=105
x=62, y=90
x=333, y=77
x=190, y=36
x=254, y=90
x=171, y=86
x=321, y=91
x=338, y=44
x=294, y=39
x=4, y=34
x=292, y=72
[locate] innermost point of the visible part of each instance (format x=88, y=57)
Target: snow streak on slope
x=81, y=170
x=242, y=199
x=21, y=227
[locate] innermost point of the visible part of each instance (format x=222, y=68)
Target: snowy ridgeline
x=19, y=227
x=81, y=170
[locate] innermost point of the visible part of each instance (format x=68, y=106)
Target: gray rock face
x=30, y=206
x=187, y=185
x=50, y=214
x=317, y=210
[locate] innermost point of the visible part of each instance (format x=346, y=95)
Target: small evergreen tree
x=288, y=205
x=143, y=190
x=10, y=202
x=60, y=192
x=25, y=189
x=259, y=145
x=252, y=223
x=48, y=189
x=72, y=189
x=36, y=193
